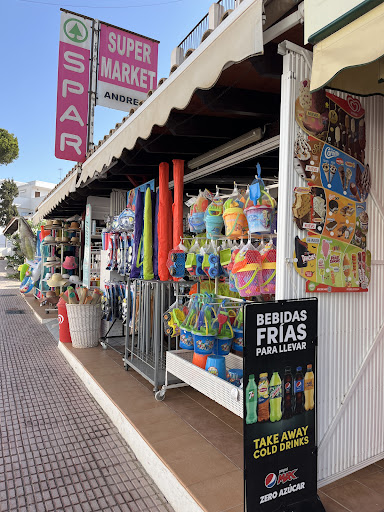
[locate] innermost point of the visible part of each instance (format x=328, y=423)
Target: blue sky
x=29, y=39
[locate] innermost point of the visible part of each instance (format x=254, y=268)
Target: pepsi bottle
x=288, y=394
x=299, y=390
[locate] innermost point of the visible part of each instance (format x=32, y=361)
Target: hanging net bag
x=247, y=271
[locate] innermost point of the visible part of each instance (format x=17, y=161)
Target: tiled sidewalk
x=58, y=451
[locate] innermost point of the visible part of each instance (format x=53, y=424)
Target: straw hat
x=75, y=240
x=50, y=293
x=69, y=263
x=52, y=261
x=64, y=239
x=57, y=224
x=49, y=239
x=58, y=239
x=74, y=225
x=56, y=280
x=48, y=224
x=74, y=279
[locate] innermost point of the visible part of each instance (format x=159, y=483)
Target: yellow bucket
x=235, y=222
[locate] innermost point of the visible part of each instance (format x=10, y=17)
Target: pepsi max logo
x=270, y=480
x=287, y=386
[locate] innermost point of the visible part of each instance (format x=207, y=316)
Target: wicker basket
x=84, y=324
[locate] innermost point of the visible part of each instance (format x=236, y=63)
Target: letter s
x=112, y=42
x=71, y=57
x=301, y=331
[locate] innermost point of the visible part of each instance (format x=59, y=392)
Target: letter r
x=74, y=141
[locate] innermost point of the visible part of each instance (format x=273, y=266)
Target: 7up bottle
x=275, y=397
x=251, y=400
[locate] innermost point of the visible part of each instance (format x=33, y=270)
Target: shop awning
x=352, y=59
x=57, y=194
x=238, y=37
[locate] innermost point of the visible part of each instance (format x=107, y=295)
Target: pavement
x=58, y=450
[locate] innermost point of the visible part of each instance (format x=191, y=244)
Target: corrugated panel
x=118, y=202
x=350, y=353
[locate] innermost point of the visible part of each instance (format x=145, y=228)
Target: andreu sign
x=73, y=87
x=127, y=68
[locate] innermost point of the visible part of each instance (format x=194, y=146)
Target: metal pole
x=93, y=82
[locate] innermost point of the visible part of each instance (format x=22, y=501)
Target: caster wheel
x=160, y=395
x=104, y=345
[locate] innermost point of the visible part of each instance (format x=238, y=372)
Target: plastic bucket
x=216, y=366
x=203, y=343
x=222, y=346
x=186, y=339
x=259, y=218
x=234, y=375
x=235, y=222
x=214, y=225
x=238, y=339
x=196, y=222
x=248, y=283
x=199, y=360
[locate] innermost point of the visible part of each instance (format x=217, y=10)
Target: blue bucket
x=196, y=222
x=186, y=339
x=238, y=339
x=214, y=224
x=203, y=343
x=216, y=366
x=234, y=375
x=259, y=218
x=222, y=345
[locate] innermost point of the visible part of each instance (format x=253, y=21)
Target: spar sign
x=73, y=87
x=127, y=68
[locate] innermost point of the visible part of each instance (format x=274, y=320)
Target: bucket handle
x=269, y=279
x=234, y=224
x=271, y=200
x=248, y=283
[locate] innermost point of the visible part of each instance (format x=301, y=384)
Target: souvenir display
x=333, y=257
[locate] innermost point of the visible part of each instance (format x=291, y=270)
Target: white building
x=30, y=195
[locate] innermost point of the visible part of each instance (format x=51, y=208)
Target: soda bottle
x=275, y=397
x=299, y=390
x=288, y=393
x=251, y=400
x=309, y=389
x=263, y=398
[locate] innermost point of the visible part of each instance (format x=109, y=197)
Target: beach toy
x=200, y=360
x=186, y=336
x=214, y=269
x=216, y=366
x=196, y=215
x=203, y=337
x=260, y=215
x=186, y=339
x=214, y=218
x=234, y=375
x=23, y=270
x=268, y=265
x=238, y=332
x=199, y=265
x=26, y=284
x=247, y=271
x=190, y=264
x=176, y=263
x=235, y=221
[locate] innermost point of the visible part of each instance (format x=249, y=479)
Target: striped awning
x=60, y=192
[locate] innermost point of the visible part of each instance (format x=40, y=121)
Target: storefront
x=222, y=116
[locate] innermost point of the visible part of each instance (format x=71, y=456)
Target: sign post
x=87, y=247
x=280, y=452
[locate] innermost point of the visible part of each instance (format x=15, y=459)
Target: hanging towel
x=138, y=235
x=148, y=241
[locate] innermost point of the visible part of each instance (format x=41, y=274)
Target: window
x=37, y=194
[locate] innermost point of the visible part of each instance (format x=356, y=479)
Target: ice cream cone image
x=333, y=171
x=348, y=176
x=325, y=167
x=342, y=176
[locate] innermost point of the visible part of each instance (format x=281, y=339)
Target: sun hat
x=57, y=223
x=52, y=261
x=58, y=239
x=56, y=280
x=65, y=276
x=74, y=279
x=49, y=239
x=69, y=263
x=48, y=275
x=50, y=293
x=74, y=225
x=75, y=240
x=64, y=239
x=48, y=224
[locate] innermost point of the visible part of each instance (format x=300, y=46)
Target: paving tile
x=357, y=497
x=220, y=493
x=331, y=505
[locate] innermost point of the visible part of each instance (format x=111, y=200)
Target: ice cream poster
x=330, y=156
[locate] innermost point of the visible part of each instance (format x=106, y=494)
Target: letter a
x=72, y=114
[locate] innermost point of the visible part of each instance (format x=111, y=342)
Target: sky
x=29, y=42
